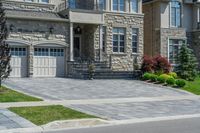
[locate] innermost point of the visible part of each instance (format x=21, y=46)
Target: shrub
x=165, y=77
x=146, y=76
x=161, y=64
x=171, y=81
x=147, y=65
x=187, y=64
x=161, y=79
x=173, y=74
x=180, y=82
x=153, y=77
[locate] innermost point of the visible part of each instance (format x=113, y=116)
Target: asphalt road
x=173, y=126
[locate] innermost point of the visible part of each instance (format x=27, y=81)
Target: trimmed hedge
x=171, y=81
x=180, y=83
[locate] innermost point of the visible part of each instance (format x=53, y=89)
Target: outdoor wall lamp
x=12, y=27
x=51, y=29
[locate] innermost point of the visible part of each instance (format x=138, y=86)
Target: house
x=48, y=38
x=170, y=23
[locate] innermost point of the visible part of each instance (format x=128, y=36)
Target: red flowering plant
x=147, y=64
x=161, y=64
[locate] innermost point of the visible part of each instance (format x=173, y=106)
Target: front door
x=77, y=47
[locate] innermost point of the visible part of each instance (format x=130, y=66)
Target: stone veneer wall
x=166, y=34
x=36, y=32
x=123, y=61
x=196, y=44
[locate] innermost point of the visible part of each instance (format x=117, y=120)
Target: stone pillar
x=30, y=60
x=71, y=42
x=100, y=42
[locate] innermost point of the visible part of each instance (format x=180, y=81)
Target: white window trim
x=169, y=45
x=119, y=41
x=170, y=21
x=138, y=7
x=118, y=11
x=138, y=30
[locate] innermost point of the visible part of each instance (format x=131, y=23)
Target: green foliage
x=146, y=76
x=173, y=74
x=91, y=71
x=165, y=77
x=171, y=81
x=161, y=79
x=187, y=64
x=180, y=83
x=5, y=57
x=153, y=77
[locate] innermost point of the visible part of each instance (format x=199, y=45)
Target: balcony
x=90, y=5
x=82, y=11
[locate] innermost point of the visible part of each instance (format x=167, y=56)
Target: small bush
x=165, y=77
x=147, y=64
x=146, y=76
x=161, y=64
x=180, y=82
x=153, y=77
x=173, y=74
x=161, y=79
x=171, y=81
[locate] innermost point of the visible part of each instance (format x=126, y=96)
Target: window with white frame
x=17, y=51
x=175, y=13
x=102, y=4
x=134, y=6
x=49, y=52
x=118, y=5
x=44, y=1
x=118, y=39
x=28, y=0
x=134, y=40
x=104, y=38
x=174, y=47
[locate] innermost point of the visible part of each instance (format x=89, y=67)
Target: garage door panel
x=49, y=62
x=19, y=63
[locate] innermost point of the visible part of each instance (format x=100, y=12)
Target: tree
x=187, y=64
x=5, y=56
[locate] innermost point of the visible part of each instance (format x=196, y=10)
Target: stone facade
x=196, y=44
x=169, y=33
x=35, y=33
x=123, y=61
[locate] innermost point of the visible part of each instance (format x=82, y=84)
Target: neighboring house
x=168, y=24
x=47, y=36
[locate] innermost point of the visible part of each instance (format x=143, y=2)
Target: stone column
x=71, y=42
x=30, y=60
x=100, y=42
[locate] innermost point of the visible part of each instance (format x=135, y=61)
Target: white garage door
x=19, y=62
x=49, y=62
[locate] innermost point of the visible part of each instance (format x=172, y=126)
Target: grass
x=45, y=114
x=193, y=86
x=8, y=95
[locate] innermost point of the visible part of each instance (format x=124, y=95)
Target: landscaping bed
x=45, y=114
x=8, y=95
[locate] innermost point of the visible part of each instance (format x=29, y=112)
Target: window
x=56, y=52
x=104, y=38
x=44, y=1
x=102, y=4
x=135, y=40
x=118, y=5
x=118, y=39
x=28, y=0
x=175, y=14
x=174, y=46
x=18, y=51
x=134, y=5
x=49, y=52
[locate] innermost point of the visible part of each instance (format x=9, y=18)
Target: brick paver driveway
x=115, y=99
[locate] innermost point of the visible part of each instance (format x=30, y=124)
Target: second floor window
x=118, y=39
x=175, y=14
x=134, y=6
x=102, y=4
x=118, y=5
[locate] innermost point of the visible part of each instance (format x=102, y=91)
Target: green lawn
x=193, y=86
x=7, y=95
x=45, y=114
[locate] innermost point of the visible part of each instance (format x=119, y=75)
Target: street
x=191, y=125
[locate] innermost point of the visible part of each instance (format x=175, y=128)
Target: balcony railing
x=82, y=5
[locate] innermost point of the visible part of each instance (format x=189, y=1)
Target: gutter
x=37, y=18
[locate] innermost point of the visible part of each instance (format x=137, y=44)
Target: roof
x=33, y=14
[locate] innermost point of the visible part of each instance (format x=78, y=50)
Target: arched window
x=175, y=13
